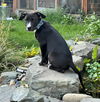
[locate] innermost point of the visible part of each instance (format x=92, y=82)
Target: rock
x=1, y=80
x=6, y=92
x=83, y=50
x=50, y=99
x=45, y=99
x=49, y=82
x=74, y=97
x=12, y=82
x=19, y=94
x=36, y=96
x=27, y=100
x=78, y=61
x=90, y=100
x=10, y=75
x=6, y=77
x=70, y=42
x=22, y=94
x=80, y=42
x=27, y=64
x=96, y=41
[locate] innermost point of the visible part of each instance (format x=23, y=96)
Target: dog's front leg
x=44, y=54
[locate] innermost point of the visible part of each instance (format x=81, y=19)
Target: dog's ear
x=22, y=16
x=40, y=15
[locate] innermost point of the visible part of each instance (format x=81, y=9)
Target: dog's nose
x=29, y=28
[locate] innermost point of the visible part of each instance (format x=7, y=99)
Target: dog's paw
x=51, y=67
x=43, y=63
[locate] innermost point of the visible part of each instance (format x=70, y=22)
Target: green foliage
x=86, y=60
x=54, y=15
x=8, y=57
x=4, y=44
x=92, y=75
x=88, y=19
x=68, y=19
x=93, y=24
x=58, y=16
x=94, y=27
x=92, y=78
x=95, y=53
x=93, y=71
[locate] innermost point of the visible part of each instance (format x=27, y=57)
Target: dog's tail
x=79, y=75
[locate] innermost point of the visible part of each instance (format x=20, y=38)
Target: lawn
x=22, y=38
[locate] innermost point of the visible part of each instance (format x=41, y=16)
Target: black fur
x=53, y=47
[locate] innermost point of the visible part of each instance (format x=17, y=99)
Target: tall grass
x=9, y=56
x=4, y=44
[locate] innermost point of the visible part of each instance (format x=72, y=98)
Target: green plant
x=95, y=53
x=93, y=24
x=31, y=52
x=88, y=19
x=58, y=16
x=9, y=57
x=93, y=70
x=4, y=44
x=54, y=15
x=92, y=78
x=92, y=75
x=68, y=19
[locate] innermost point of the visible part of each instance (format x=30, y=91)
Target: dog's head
x=32, y=20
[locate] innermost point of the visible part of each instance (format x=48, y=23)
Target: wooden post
x=27, y=4
x=35, y=5
x=15, y=5
x=18, y=4
x=85, y=6
x=56, y=4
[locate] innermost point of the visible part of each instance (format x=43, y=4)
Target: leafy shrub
x=58, y=16
x=92, y=78
x=93, y=70
x=68, y=19
x=54, y=15
x=93, y=24
x=92, y=75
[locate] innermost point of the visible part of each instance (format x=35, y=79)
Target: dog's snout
x=29, y=28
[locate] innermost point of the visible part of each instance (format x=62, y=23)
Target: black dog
x=53, y=47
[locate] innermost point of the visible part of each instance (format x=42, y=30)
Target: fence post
x=35, y=5
x=85, y=6
x=56, y=4
x=15, y=5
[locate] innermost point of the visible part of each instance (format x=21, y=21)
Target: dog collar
x=40, y=24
